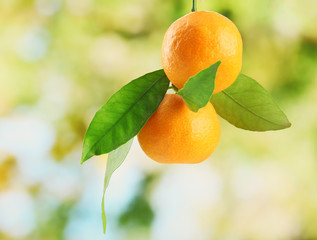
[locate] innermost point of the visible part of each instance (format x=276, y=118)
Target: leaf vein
x=250, y=111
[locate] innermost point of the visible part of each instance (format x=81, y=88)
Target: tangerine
x=175, y=134
x=198, y=40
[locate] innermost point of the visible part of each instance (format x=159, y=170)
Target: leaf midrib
x=128, y=110
x=245, y=108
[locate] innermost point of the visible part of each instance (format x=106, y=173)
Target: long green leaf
x=198, y=89
x=247, y=105
x=115, y=159
x=125, y=113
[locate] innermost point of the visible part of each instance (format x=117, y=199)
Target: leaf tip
x=288, y=124
x=84, y=157
x=215, y=66
x=103, y=214
x=104, y=224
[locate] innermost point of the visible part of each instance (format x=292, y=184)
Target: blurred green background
x=60, y=60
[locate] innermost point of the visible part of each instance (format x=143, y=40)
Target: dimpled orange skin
x=196, y=41
x=175, y=134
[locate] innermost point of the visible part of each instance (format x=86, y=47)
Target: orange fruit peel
x=175, y=134
x=198, y=40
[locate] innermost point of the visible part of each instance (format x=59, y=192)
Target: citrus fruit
x=198, y=40
x=175, y=134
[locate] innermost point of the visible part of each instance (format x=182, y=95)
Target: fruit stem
x=174, y=88
x=194, y=8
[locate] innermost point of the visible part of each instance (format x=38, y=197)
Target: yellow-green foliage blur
x=60, y=60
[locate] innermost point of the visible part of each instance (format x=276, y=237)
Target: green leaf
x=247, y=105
x=115, y=159
x=125, y=113
x=198, y=89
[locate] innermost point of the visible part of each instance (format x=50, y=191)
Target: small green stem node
x=174, y=88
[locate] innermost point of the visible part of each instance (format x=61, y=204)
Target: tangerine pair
x=174, y=134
